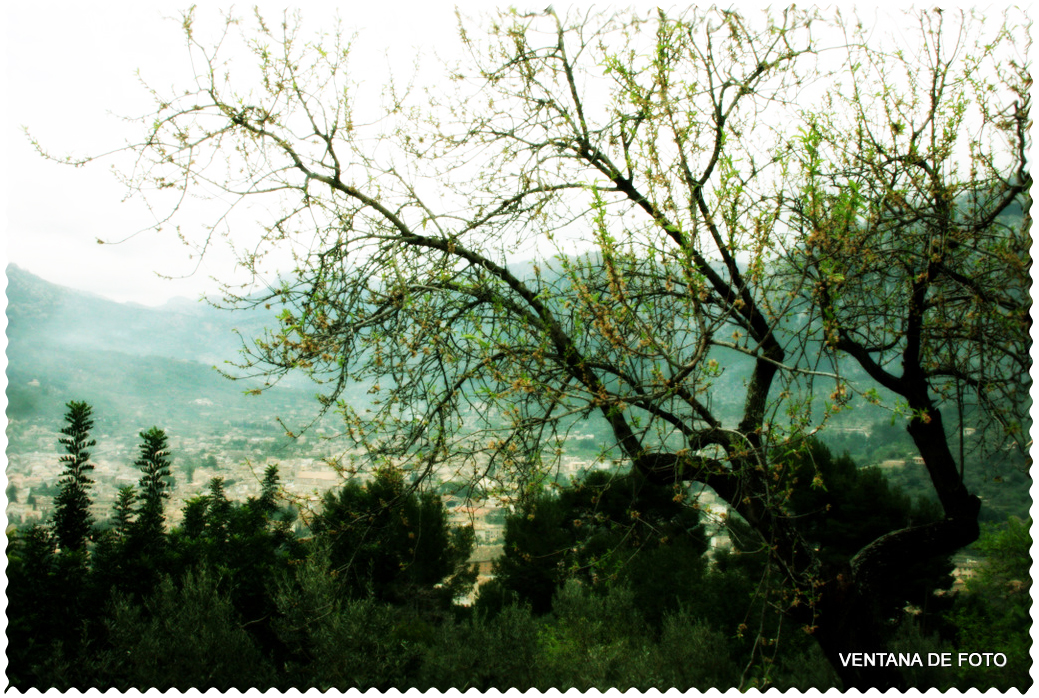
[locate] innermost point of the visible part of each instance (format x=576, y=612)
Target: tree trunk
x=847, y=629
x=848, y=623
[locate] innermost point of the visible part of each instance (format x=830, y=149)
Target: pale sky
x=70, y=74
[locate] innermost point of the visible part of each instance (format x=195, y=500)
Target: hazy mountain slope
x=40, y=311
x=136, y=365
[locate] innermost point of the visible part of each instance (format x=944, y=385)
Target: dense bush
x=183, y=636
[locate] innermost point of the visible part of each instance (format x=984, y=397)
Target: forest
x=743, y=228
x=607, y=582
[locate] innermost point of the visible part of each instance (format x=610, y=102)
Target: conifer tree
x=155, y=466
x=396, y=544
x=218, y=511
x=269, y=490
x=73, y=522
x=194, y=522
x=123, y=510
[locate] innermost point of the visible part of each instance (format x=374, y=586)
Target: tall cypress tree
x=154, y=463
x=269, y=491
x=73, y=522
x=123, y=510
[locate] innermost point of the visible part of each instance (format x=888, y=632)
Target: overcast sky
x=71, y=75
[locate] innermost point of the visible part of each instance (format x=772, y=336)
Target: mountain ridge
x=47, y=311
x=132, y=362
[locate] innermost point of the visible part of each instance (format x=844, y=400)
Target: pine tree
x=218, y=511
x=73, y=523
x=269, y=491
x=155, y=465
x=123, y=510
x=392, y=542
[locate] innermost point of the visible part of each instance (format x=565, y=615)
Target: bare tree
x=914, y=224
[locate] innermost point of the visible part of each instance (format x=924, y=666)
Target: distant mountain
x=181, y=329
x=135, y=364
x=142, y=366
x=186, y=306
